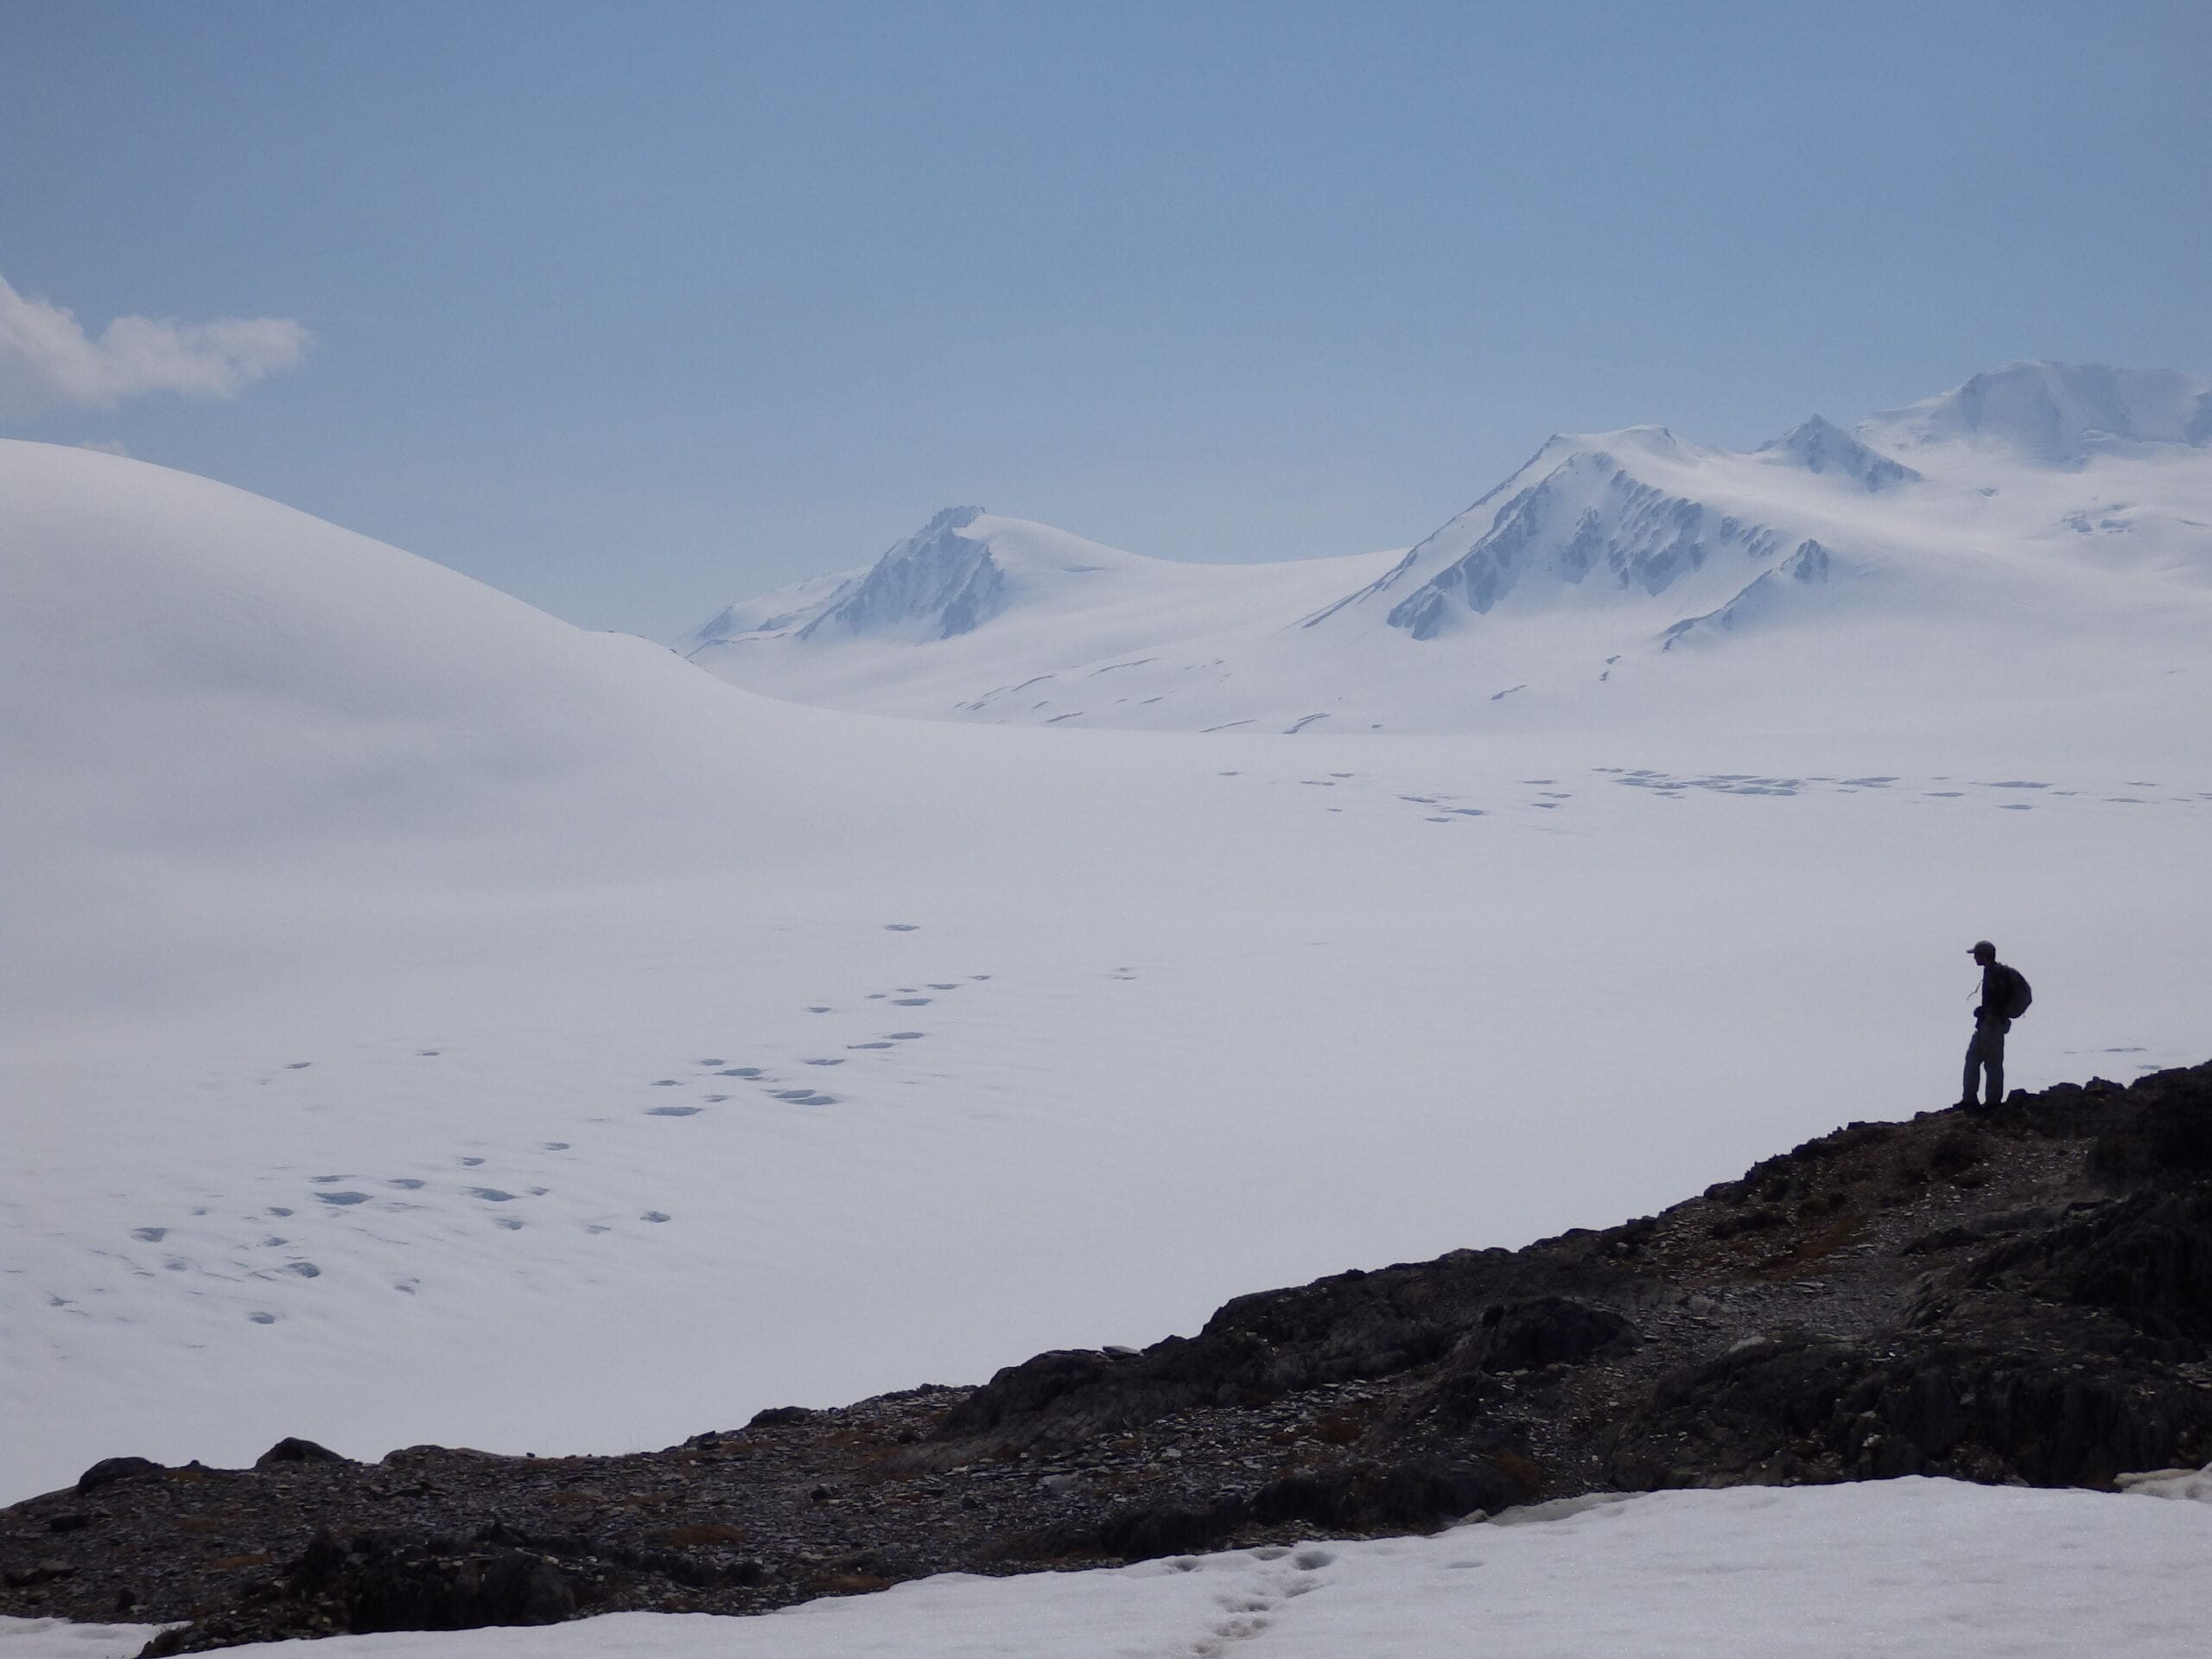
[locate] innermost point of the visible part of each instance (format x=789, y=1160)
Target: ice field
x=427, y=1021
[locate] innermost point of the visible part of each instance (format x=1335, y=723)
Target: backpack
x=2017, y=995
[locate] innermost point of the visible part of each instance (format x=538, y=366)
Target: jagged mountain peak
x=940, y=580
x=2057, y=412
x=2033, y=491
x=1819, y=445
x=1603, y=514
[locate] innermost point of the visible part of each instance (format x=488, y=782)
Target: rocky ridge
x=2020, y=1295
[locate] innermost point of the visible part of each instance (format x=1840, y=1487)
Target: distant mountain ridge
x=2042, y=500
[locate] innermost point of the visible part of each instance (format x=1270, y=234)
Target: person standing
x=1992, y=1019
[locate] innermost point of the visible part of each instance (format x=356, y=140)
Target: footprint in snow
x=716, y=1100
x=471, y=1163
x=904, y=1036
x=706, y=1061
x=428, y=1053
x=553, y=1146
x=262, y=1319
x=299, y=1065
x=150, y=1234
x=489, y=1194
x=740, y=1071
x=654, y=1215
x=911, y=1002
x=672, y=1111
x=867, y=1044
x=337, y=1198
x=512, y=1223
x=305, y=1269
x=835, y=1061
x=405, y=1183
x=818, y=1008
x=902, y=927
x=664, y=1083
x=948, y=985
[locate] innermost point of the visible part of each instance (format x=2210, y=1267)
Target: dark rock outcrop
x=292, y=1450
x=108, y=1471
x=2018, y=1295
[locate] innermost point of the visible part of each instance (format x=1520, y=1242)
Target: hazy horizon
x=632, y=314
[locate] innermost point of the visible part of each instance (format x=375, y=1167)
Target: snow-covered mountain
x=2058, y=413
x=993, y=618
x=2040, y=512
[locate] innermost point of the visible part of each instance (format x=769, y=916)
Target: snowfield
x=1927, y=1567
x=426, y=1021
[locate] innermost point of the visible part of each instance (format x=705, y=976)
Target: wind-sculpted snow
x=2058, y=413
x=2049, y=516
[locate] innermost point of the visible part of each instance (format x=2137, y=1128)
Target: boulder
x=291, y=1450
x=108, y=1471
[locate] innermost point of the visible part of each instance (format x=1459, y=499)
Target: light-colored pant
x=1985, y=1054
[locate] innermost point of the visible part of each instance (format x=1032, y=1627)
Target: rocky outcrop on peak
x=2023, y=1294
x=1589, y=519
x=1809, y=565
x=1819, y=446
x=939, y=580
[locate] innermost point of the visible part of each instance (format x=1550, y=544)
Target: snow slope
x=982, y=617
x=2036, y=543
x=1929, y=1567
x=423, y=1020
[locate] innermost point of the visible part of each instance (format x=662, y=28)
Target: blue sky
x=631, y=310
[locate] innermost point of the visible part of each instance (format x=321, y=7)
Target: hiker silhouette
x=2004, y=996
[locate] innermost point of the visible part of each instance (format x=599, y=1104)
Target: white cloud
x=47, y=360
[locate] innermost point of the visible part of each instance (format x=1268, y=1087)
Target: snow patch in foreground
x=1931, y=1568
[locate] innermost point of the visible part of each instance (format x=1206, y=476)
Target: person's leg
x=1970, y=1090
x=1993, y=1065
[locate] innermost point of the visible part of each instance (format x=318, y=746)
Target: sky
x=635, y=310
